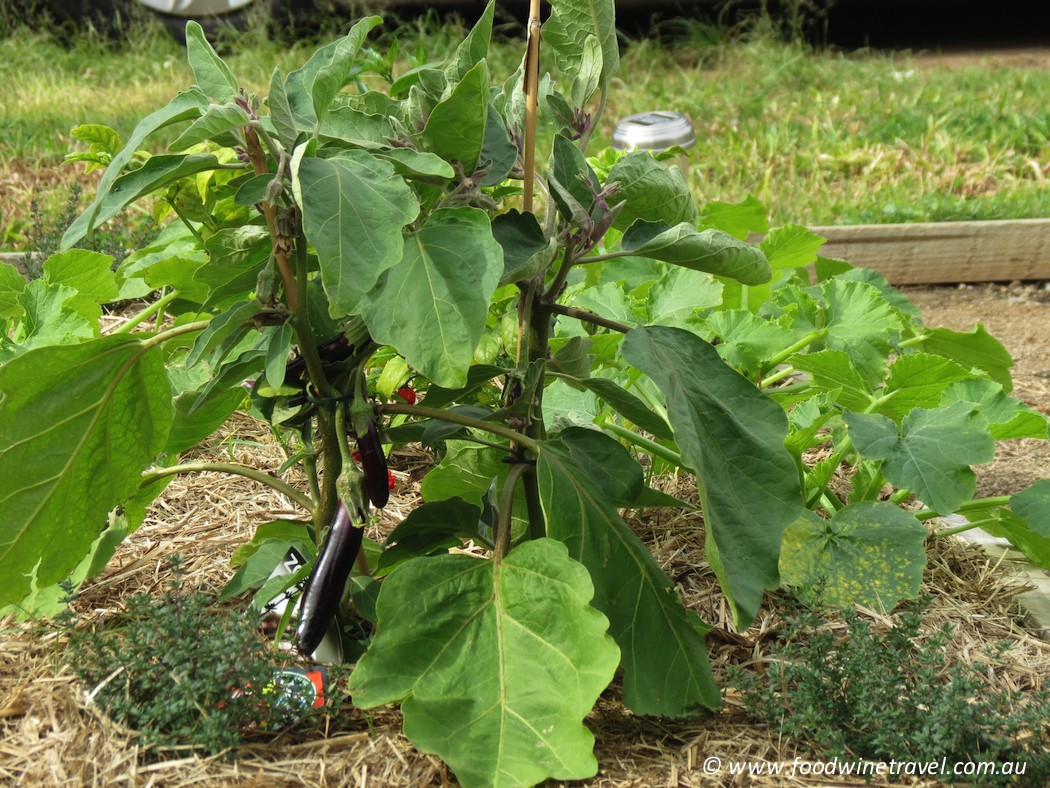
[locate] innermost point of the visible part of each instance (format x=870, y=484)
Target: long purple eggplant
x=324, y=588
x=373, y=463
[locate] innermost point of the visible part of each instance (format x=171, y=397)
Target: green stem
x=959, y=529
x=506, y=509
x=189, y=225
x=301, y=320
x=977, y=503
x=776, y=377
x=236, y=470
x=835, y=460
x=551, y=296
x=157, y=307
x=601, y=258
x=537, y=520
x=788, y=352
x=467, y=421
x=643, y=443
x=176, y=331
x=588, y=317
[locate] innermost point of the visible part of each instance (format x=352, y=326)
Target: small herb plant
x=893, y=696
x=184, y=673
x=364, y=229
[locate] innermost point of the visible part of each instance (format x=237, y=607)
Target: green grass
x=819, y=137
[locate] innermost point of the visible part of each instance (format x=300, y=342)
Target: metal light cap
x=655, y=130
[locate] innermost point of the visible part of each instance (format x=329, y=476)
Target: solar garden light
x=656, y=130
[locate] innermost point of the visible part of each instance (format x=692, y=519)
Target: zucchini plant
x=359, y=238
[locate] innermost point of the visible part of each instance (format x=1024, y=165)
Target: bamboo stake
x=532, y=89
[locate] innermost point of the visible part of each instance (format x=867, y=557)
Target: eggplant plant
x=361, y=237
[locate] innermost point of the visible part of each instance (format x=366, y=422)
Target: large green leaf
x=974, y=348
x=495, y=663
x=626, y=404
x=217, y=120
x=712, y=251
x=651, y=191
x=748, y=341
x=571, y=23
x=78, y=423
x=525, y=249
x=930, y=453
x=455, y=129
x=432, y=306
x=861, y=323
x=213, y=76
x=473, y=48
x=870, y=553
x=184, y=106
x=1007, y=417
x=832, y=371
x=917, y=380
x=676, y=297
x=732, y=436
x=159, y=171
x=353, y=210
x=791, y=246
x=663, y=653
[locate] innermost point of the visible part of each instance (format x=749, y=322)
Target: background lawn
x=819, y=136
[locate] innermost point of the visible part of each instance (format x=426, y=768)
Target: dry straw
x=53, y=737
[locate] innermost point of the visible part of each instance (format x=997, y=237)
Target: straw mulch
x=51, y=736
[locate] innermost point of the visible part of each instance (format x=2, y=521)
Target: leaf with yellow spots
x=870, y=553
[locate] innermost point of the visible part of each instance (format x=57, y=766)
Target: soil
x=52, y=737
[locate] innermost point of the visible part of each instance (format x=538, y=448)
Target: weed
x=891, y=696
x=180, y=671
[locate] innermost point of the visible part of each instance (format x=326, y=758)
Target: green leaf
x=49, y=317
x=973, y=348
x=676, y=297
x=213, y=76
x=498, y=151
x=566, y=32
x=739, y=219
x=651, y=191
x=870, y=553
x=277, y=350
x=930, y=453
x=431, y=528
x=832, y=371
x=473, y=48
x=589, y=76
x=748, y=340
x=455, y=129
x=917, y=380
x=78, y=423
x=1007, y=417
x=333, y=67
x=432, y=306
x=733, y=437
x=353, y=210
x=223, y=333
x=512, y=713
x=627, y=405
x=410, y=163
x=156, y=173
x=577, y=181
x=712, y=251
x=281, y=115
x=525, y=250
x=1021, y=534
x=192, y=424
x=663, y=653
x=12, y=283
x=861, y=322
x=183, y=107
x=1033, y=506
x=89, y=273
x=791, y=246
x=217, y=120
